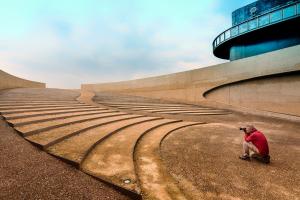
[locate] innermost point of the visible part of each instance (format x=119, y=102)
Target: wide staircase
x=116, y=138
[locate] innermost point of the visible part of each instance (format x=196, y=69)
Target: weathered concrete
x=8, y=81
x=155, y=181
x=204, y=161
x=28, y=120
x=278, y=94
x=53, y=136
x=74, y=148
x=120, y=147
x=28, y=173
x=78, y=136
x=191, y=86
x=113, y=159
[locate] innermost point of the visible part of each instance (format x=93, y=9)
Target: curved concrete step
x=75, y=148
x=200, y=114
x=148, y=106
x=35, y=101
x=43, y=126
x=14, y=107
x=187, y=109
x=204, y=112
x=45, y=109
x=182, y=110
x=31, y=120
x=42, y=113
x=47, y=138
x=154, y=179
x=157, y=110
x=112, y=159
x=38, y=104
x=143, y=104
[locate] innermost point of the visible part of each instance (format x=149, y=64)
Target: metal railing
x=288, y=11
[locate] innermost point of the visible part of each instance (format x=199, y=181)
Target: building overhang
x=277, y=19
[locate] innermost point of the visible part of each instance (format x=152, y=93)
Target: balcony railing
x=288, y=11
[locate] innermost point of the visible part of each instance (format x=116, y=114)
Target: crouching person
x=256, y=142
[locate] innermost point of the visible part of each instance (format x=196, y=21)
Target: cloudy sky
x=68, y=42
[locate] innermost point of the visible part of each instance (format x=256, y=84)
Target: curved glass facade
x=286, y=12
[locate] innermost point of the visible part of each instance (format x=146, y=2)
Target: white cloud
x=65, y=53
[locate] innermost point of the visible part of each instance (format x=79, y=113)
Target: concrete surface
x=8, y=81
x=149, y=154
x=257, y=94
x=204, y=160
x=28, y=173
x=191, y=86
x=100, y=140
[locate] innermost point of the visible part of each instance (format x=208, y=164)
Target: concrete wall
x=191, y=86
x=276, y=93
x=8, y=81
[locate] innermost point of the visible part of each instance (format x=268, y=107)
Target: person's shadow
x=261, y=159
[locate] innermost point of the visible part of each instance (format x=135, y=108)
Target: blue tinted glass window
x=222, y=37
x=218, y=41
x=227, y=34
x=263, y=20
x=289, y=11
x=252, y=24
x=298, y=8
x=234, y=31
x=276, y=16
x=243, y=27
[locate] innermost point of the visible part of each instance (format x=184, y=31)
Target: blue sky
x=68, y=42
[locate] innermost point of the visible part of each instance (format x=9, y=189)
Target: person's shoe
x=244, y=157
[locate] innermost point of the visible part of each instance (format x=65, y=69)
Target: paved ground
x=118, y=138
x=29, y=173
x=205, y=161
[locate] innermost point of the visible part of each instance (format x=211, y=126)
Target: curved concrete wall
x=190, y=86
x=8, y=81
x=276, y=93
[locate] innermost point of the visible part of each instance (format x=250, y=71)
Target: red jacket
x=259, y=140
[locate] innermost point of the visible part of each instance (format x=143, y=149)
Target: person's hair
x=251, y=127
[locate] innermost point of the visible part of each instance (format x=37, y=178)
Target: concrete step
x=187, y=109
x=47, y=138
x=46, y=109
x=161, y=109
x=19, y=104
x=36, y=119
x=142, y=104
x=42, y=113
x=154, y=179
x=14, y=107
x=75, y=148
x=43, y=126
x=204, y=112
x=112, y=159
x=5, y=100
x=148, y=106
x=200, y=114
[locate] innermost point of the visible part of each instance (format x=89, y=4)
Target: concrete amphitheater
x=167, y=137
